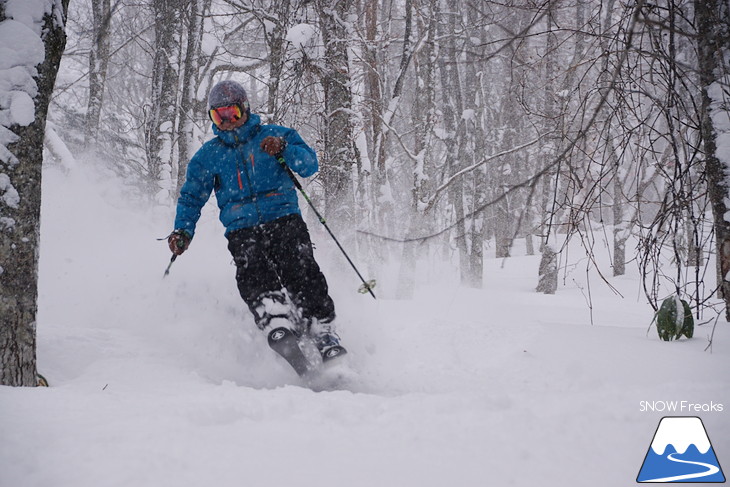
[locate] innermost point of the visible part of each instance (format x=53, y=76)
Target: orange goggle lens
x=225, y=114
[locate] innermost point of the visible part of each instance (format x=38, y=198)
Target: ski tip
x=278, y=334
x=284, y=342
x=333, y=352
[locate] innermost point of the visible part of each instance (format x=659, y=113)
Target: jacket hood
x=242, y=134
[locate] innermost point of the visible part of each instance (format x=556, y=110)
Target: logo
x=681, y=452
x=277, y=335
x=333, y=352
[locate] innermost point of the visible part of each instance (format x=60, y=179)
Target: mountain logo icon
x=681, y=452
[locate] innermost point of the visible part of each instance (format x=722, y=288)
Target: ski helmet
x=227, y=93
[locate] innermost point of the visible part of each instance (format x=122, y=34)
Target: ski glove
x=179, y=241
x=273, y=146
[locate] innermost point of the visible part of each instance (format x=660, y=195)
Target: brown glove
x=179, y=241
x=273, y=146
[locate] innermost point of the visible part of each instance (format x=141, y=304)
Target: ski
x=303, y=358
x=334, y=372
x=332, y=353
x=284, y=342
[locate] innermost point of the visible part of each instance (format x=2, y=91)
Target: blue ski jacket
x=250, y=186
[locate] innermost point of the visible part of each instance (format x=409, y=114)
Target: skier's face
x=228, y=117
x=233, y=124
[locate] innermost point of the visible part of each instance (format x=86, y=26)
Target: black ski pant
x=275, y=262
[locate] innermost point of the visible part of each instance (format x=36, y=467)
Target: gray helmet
x=227, y=93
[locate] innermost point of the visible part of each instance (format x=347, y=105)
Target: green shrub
x=674, y=319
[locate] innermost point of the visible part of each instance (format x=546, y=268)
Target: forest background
x=442, y=127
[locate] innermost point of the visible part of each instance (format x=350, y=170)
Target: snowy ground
x=166, y=383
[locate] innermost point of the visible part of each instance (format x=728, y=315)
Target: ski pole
x=172, y=259
x=367, y=286
x=174, y=256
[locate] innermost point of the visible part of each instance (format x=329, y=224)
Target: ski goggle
x=225, y=114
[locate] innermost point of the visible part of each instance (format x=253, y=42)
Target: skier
x=276, y=272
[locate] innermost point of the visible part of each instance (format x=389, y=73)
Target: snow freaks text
x=682, y=407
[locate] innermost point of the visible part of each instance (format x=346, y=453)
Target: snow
x=361, y=143
x=301, y=35
x=681, y=433
x=28, y=12
x=6, y=137
x=19, y=46
x=158, y=382
x=22, y=108
x=679, y=313
x=305, y=39
x=21, y=50
x=58, y=148
x=8, y=194
x=6, y=223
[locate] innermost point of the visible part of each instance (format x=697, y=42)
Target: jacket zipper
x=238, y=167
x=250, y=186
x=240, y=181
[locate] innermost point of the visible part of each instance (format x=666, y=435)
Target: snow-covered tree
x=713, y=26
x=98, y=66
x=161, y=113
x=32, y=40
x=190, y=108
x=338, y=156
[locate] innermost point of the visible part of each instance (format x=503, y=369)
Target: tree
x=34, y=62
x=713, y=29
x=98, y=66
x=188, y=110
x=160, y=121
x=423, y=120
x=453, y=109
x=548, y=271
x=338, y=146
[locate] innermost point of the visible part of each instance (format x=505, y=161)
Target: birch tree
x=421, y=157
x=189, y=110
x=548, y=270
x=98, y=66
x=161, y=112
x=338, y=137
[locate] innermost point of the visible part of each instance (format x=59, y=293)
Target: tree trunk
x=338, y=144
x=190, y=82
x=98, y=63
x=713, y=47
x=453, y=108
x=423, y=122
x=373, y=89
x=277, y=48
x=548, y=279
x=160, y=123
x=20, y=205
x=548, y=271
x=503, y=223
x=474, y=148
